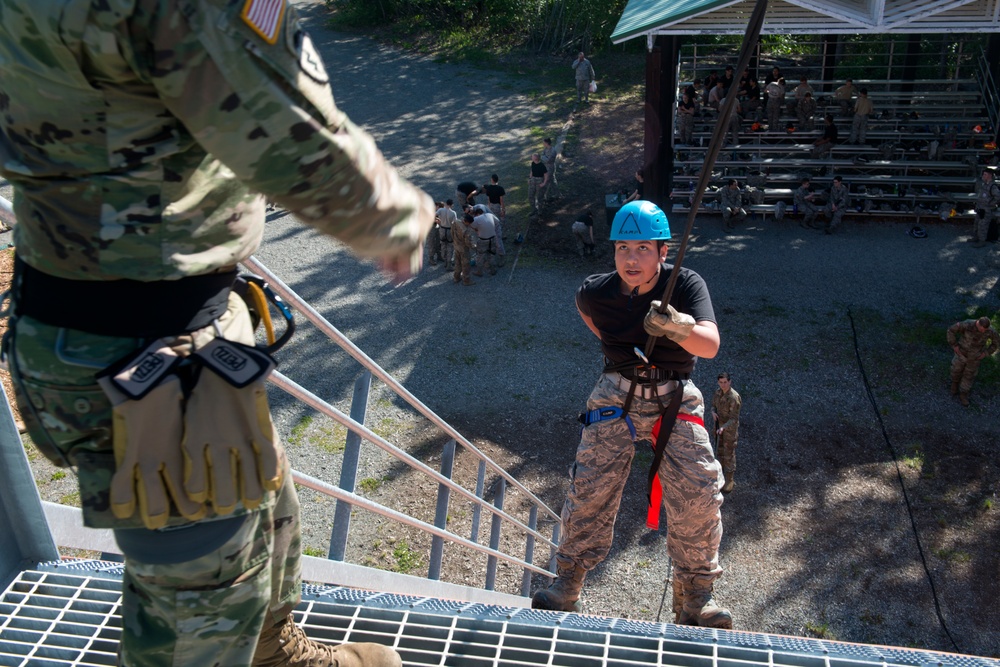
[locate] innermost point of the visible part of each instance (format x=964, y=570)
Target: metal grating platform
x=65, y=613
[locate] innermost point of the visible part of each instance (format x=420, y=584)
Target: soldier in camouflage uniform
x=464, y=242
x=803, y=198
x=840, y=200
x=731, y=200
x=987, y=201
x=971, y=341
x=136, y=135
x=621, y=310
x=726, y=404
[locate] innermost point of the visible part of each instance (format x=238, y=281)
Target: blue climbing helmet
x=640, y=221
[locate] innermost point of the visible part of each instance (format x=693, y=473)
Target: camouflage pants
x=486, y=250
x=964, y=371
x=462, y=268
x=859, y=128
x=203, y=611
x=981, y=224
x=690, y=476
x=726, y=453
x=535, y=191
x=773, y=114
x=445, y=247
x=434, y=244
x=836, y=217
x=685, y=128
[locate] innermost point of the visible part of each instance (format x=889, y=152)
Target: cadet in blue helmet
x=628, y=401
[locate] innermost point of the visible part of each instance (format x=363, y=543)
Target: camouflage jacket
x=987, y=196
x=730, y=198
x=972, y=342
x=839, y=196
x=727, y=405
x=134, y=130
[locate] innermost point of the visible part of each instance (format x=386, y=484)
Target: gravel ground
x=817, y=537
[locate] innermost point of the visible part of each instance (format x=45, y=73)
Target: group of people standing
x=472, y=238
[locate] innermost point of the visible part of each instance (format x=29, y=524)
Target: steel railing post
x=495, y=526
x=441, y=513
x=349, y=468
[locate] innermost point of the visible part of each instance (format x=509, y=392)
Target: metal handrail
x=255, y=266
x=318, y=404
x=988, y=89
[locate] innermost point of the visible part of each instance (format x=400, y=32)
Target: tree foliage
x=551, y=26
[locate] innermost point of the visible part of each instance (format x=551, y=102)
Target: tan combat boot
x=701, y=610
x=730, y=481
x=678, y=605
x=286, y=645
x=564, y=593
x=964, y=398
x=954, y=387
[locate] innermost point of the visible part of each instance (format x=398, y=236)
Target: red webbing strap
x=655, y=490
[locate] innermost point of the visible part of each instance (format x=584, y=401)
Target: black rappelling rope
x=750, y=40
x=902, y=485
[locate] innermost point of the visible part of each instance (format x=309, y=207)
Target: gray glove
x=671, y=324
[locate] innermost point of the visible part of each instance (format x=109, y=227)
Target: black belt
x=127, y=308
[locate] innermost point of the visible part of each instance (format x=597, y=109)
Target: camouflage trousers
x=859, y=129
x=726, y=453
x=207, y=609
x=535, y=192
x=685, y=128
x=964, y=371
x=981, y=224
x=462, y=267
x=689, y=474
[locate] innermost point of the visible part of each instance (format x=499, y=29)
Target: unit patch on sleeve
x=264, y=17
x=309, y=60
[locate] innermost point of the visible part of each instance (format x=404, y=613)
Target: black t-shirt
x=619, y=316
x=538, y=170
x=466, y=187
x=638, y=188
x=830, y=132
x=586, y=218
x=494, y=192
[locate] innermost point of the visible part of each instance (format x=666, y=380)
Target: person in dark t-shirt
x=634, y=397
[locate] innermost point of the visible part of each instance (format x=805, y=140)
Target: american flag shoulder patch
x=264, y=17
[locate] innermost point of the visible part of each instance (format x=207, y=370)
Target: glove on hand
x=231, y=452
x=670, y=324
x=146, y=435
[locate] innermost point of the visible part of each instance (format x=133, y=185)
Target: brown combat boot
x=730, y=481
x=678, y=605
x=964, y=398
x=701, y=610
x=954, y=387
x=286, y=645
x=564, y=593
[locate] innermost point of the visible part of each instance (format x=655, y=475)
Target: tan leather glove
x=231, y=451
x=146, y=435
x=670, y=324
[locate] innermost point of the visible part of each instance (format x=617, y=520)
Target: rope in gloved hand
x=665, y=425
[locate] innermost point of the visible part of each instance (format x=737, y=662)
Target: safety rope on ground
x=902, y=484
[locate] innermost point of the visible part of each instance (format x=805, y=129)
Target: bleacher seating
x=921, y=158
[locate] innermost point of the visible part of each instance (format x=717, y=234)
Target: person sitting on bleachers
x=716, y=94
x=863, y=107
x=708, y=85
x=775, y=99
x=773, y=76
x=750, y=97
x=840, y=200
x=806, y=110
x=800, y=92
x=823, y=145
x=844, y=95
x=685, y=119
x=731, y=200
x=803, y=198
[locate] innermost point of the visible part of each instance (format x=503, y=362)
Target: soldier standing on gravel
x=135, y=136
x=726, y=405
x=987, y=201
x=971, y=341
x=628, y=403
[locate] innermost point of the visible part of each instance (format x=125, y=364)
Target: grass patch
x=313, y=551
x=820, y=630
x=322, y=433
x=405, y=559
x=371, y=484
x=953, y=555
x=914, y=457
x=71, y=499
